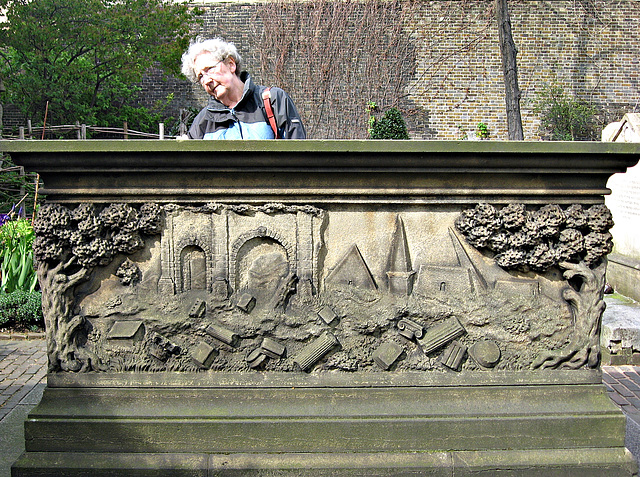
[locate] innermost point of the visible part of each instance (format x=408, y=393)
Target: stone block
x=387, y=354
x=328, y=315
x=272, y=348
x=620, y=327
x=126, y=333
x=198, y=309
x=222, y=334
x=204, y=354
x=246, y=303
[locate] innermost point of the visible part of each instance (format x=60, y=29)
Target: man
x=238, y=107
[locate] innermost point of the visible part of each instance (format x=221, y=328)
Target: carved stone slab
x=371, y=293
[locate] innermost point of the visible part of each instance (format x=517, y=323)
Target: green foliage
x=564, y=117
x=21, y=309
x=80, y=56
x=390, y=126
x=16, y=255
x=483, y=131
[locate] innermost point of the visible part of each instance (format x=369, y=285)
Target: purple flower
x=4, y=218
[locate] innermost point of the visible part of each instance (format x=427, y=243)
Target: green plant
x=21, y=309
x=390, y=126
x=483, y=131
x=16, y=253
x=564, y=117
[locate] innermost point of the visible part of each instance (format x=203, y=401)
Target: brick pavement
x=623, y=387
x=23, y=364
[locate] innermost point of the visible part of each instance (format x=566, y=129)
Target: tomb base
x=323, y=308
x=565, y=426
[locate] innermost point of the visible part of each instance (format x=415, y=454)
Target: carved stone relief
x=298, y=289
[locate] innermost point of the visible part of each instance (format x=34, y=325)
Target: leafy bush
x=16, y=253
x=483, y=131
x=21, y=309
x=564, y=117
x=390, y=126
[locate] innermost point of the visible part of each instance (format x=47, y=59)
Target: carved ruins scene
x=283, y=288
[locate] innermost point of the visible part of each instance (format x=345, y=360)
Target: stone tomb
x=323, y=307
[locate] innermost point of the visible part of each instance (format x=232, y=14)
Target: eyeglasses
x=208, y=71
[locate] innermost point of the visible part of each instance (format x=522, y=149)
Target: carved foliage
x=574, y=240
x=70, y=243
x=524, y=239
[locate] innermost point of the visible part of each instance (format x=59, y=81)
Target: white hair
x=217, y=47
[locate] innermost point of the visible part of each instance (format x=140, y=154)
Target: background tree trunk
x=508, y=52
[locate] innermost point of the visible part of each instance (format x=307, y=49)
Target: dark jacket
x=248, y=119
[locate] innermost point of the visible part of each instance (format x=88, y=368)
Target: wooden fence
x=82, y=131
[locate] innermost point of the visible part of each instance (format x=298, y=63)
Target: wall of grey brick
x=596, y=57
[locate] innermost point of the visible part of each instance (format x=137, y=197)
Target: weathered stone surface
x=420, y=251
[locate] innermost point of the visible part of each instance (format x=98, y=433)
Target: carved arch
x=260, y=232
x=209, y=261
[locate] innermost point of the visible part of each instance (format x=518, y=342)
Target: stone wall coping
x=320, y=172
x=317, y=145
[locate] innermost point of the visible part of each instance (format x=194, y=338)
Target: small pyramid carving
x=352, y=270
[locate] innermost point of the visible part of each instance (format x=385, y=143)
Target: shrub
x=564, y=117
x=21, y=309
x=16, y=256
x=483, y=131
x=390, y=126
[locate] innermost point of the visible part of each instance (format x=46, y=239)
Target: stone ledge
x=620, y=337
x=540, y=462
x=623, y=273
x=9, y=336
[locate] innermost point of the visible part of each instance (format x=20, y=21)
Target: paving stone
x=635, y=377
x=11, y=389
x=34, y=368
x=622, y=390
x=630, y=384
x=619, y=400
x=613, y=372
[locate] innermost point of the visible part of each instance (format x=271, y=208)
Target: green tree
x=82, y=56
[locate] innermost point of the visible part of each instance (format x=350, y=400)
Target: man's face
x=215, y=76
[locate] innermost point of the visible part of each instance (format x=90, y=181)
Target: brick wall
x=596, y=57
x=457, y=78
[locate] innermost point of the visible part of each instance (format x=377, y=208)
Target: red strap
x=266, y=96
